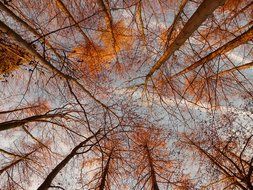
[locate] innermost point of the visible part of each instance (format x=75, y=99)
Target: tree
x=108, y=161
x=154, y=167
x=101, y=94
x=228, y=149
x=47, y=183
x=17, y=166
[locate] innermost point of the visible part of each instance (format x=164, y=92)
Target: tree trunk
x=152, y=170
x=61, y=5
x=204, y=10
x=17, y=123
x=246, y=36
x=237, y=68
x=176, y=19
x=105, y=172
x=139, y=21
x=28, y=27
x=47, y=183
x=21, y=42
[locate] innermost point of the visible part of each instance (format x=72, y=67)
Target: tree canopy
x=126, y=94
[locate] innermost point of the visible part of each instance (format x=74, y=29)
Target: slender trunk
x=140, y=23
x=243, y=38
x=28, y=27
x=249, y=177
x=105, y=172
x=47, y=182
x=18, y=123
x=176, y=20
x=61, y=5
x=152, y=170
x=204, y=10
x=109, y=23
x=237, y=68
x=21, y=42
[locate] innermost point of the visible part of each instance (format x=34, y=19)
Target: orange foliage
x=202, y=89
x=150, y=153
x=11, y=56
x=92, y=58
x=163, y=37
x=118, y=34
x=149, y=137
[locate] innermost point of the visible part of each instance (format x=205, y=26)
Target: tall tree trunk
x=152, y=170
x=243, y=38
x=105, y=172
x=61, y=5
x=18, y=123
x=109, y=23
x=237, y=68
x=21, y=42
x=28, y=27
x=204, y=10
x=176, y=20
x=139, y=21
x=47, y=182
x=249, y=176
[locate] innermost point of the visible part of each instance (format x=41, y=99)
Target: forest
x=126, y=94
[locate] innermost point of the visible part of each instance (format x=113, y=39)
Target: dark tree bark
x=18, y=123
x=47, y=183
x=204, y=10
x=21, y=42
x=152, y=170
x=243, y=38
x=105, y=172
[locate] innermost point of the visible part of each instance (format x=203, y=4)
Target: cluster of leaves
x=126, y=94
x=11, y=56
